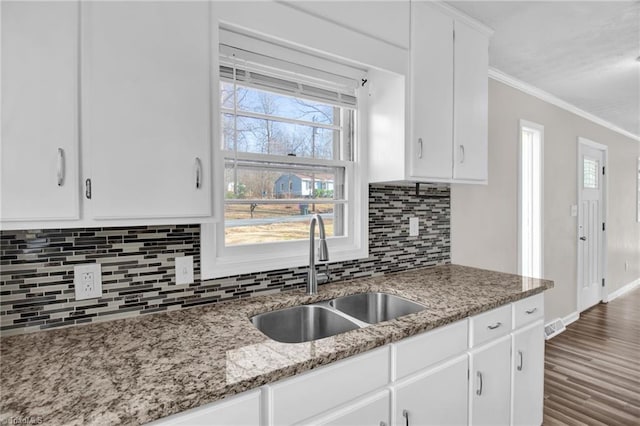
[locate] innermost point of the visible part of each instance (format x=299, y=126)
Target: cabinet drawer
x=490, y=325
x=373, y=410
x=527, y=310
x=309, y=394
x=239, y=410
x=418, y=352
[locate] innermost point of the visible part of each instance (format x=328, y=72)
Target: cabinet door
x=146, y=108
x=490, y=383
x=437, y=397
x=431, y=93
x=528, y=375
x=39, y=111
x=372, y=411
x=471, y=59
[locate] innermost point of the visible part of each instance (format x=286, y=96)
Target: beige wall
x=484, y=218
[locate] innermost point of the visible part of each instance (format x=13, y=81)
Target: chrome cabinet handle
x=405, y=414
x=61, y=167
x=530, y=311
x=198, y=173
x=494, y=326
x=461, y=153
x=521, y=361
x=419, y=147
x=479, y=390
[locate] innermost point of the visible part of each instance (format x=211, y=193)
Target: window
x=590, y=173
x=530, y=253
x=290, y=126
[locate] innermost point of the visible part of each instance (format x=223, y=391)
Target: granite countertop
x=136, y=370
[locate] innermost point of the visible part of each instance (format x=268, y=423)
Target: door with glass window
x=590, y=225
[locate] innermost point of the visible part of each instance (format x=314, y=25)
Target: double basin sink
x=311, y=322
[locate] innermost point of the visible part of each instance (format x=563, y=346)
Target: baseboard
x=572, y=317
x=622, y=290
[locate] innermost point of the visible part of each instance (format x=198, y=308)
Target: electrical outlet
x=87, y=280
x=414, y=230
x=184, y=270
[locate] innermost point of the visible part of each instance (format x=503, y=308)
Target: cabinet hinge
x=87, y=190
x=603, y=282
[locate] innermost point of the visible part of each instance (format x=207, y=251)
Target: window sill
x=249, y=260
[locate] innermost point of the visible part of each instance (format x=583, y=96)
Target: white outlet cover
x=87, y=281
x=413, y=227
x=184, y=270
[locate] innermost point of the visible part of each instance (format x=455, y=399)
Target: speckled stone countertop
x=140, y=369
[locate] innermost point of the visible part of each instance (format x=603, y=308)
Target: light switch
x=413, y=227
x=184, y=270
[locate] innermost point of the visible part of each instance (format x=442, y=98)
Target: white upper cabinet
x=39, y=150
x=446, y=103
x=431, y=93
x=146, y=109
x=471, y=85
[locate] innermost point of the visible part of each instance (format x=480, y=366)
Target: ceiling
x=582, y=52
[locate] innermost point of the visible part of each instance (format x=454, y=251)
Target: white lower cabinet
x=490, y=383
x=436, y=397
x=306, y=395
x=477, y=371
x=528, y=375
x=241, y=410
x=371, y=411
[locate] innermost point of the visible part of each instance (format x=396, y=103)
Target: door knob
x=583, y=238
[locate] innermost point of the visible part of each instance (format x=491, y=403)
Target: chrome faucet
x=323, y=253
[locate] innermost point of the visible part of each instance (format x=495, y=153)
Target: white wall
x=484, y=218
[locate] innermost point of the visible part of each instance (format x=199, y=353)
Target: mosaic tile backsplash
x=36, y=269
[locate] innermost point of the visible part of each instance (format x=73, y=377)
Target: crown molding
x=527, y=88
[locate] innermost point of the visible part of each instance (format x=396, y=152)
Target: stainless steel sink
x=375, y=307
x=302, y=324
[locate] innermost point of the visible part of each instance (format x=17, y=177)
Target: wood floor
x=592, y=370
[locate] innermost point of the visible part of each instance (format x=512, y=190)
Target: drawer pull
x=530, y=311
x=521, y=361
x=420, y=147
x=479, y=391
x=494, y=326
x=405, y=414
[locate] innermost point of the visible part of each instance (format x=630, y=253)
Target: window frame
x=539, y=130
x=219, y=261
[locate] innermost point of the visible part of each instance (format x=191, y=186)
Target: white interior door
x=590, y=225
